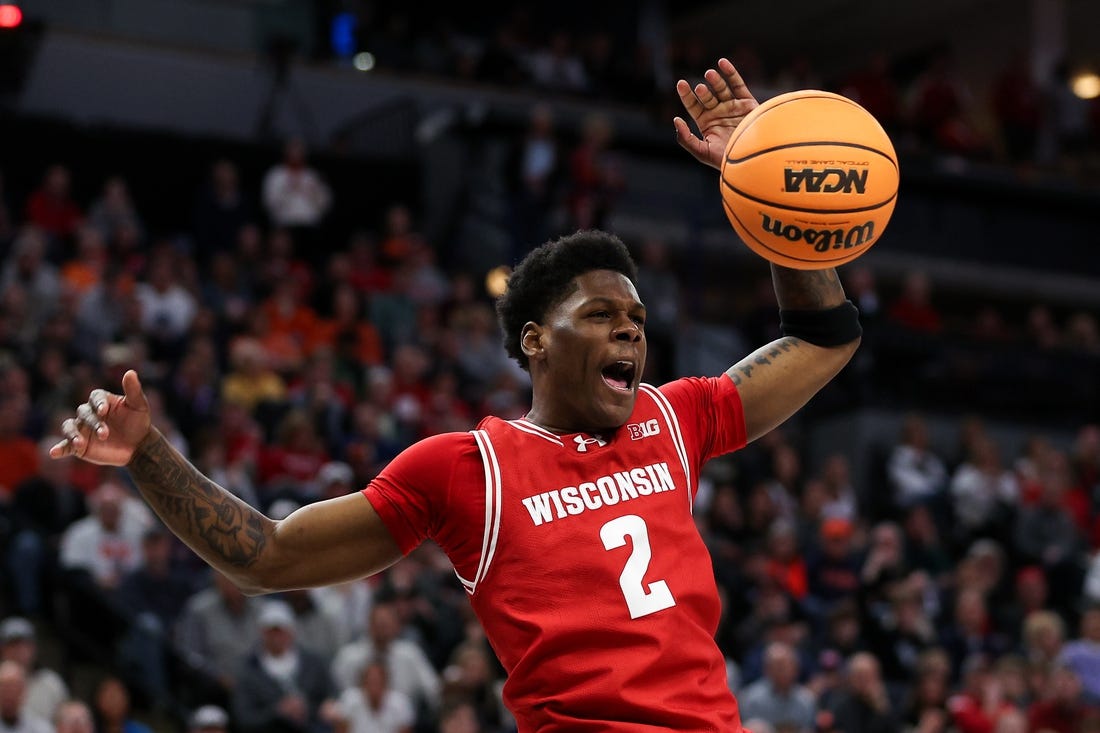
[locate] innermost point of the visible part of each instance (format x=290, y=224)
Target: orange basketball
x=809, y=180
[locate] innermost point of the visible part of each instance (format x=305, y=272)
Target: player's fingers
x=732, y=78
x=61, y=448
x=687, y=139
x=75, y=442
x=717, y=83
x=98, y=401
x=687, y=97
x=706, y=96
x=135, y=395
x=86, y=414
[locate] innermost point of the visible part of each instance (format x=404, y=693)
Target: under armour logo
x=583, y=443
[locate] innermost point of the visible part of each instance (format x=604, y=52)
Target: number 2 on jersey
x=638, y=601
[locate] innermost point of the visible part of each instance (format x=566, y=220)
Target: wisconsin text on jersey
x=603, y=491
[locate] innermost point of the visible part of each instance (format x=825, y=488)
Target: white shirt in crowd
x=392, y=716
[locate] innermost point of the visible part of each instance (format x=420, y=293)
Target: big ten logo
x=647, y=429
x=825, y=180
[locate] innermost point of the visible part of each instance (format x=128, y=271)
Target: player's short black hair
x=545, y=277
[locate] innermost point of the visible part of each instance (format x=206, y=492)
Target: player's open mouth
x=619, y=375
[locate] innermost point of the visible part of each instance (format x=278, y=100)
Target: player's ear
x=531, y=340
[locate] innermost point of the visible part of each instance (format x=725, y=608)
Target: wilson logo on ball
x=829, y=180
x=822, y=240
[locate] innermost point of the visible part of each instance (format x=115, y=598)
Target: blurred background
x=292, y=217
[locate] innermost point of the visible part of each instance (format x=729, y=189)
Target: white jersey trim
x=531, y=429
x=674, y=432
x=492, y=507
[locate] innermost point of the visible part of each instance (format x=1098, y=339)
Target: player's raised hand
x=717, y=107
x=108, y=427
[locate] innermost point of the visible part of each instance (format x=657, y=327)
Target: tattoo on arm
x=807, y=289
x=214, y=522
x=743, y=370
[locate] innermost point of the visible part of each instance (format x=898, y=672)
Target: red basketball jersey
x=582, y=559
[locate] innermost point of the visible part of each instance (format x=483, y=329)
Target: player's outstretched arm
x=319, y=544
x=776, y=380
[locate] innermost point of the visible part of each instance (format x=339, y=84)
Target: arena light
x=364, y=61
x=1086, y=85
x=496, y=282
x=10, y=16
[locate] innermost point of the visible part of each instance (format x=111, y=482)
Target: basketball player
x=570, y=528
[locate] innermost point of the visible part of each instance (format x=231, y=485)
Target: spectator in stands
x=557, y=66
x=1082, y=655
x=45, y=689
x=898, y=631
x=913, y=308
x=469, y=675
x=281, y=686
x=925, y=552
x=208, y=719
x=29, y=269
x=1018, y=107
x=251, y=380
x=459, y=717
x=87, y=267
x=877, y=91
x=777, y=697
x=1043, y=638
x=658, y=279
x=114, y=210
x=410, y=671
x=595, y=178
x=833, y=566
x=534, y=171
x=14, y=715
x=862, y=705
x=980, y=703
x=318, y=626
x=924, y=705
x=221, y=211
x=916, y=472
x=167, y=307
x=1041, y=329
x=373, y=706
x=51, y=208
x=74, y=716
x=354, y=340
x=18, y=453
x=1064, y=708
x=217, y=629
x=111, y=702
x=940, y=109
x=151, y=598
x=1046, y=534
x=295, y=195
x=1032, y=593
x=288, y=467
x=971, y=631
x=107, y=544
x=984, y=492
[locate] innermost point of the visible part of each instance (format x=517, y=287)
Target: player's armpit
x=776, y=380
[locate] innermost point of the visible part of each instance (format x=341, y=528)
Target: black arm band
x=830, y=327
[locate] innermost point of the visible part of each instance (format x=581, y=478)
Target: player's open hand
x=108, y=427
x=717, y=107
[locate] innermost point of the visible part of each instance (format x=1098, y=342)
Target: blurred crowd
x=921, y=99
x=956, y=593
